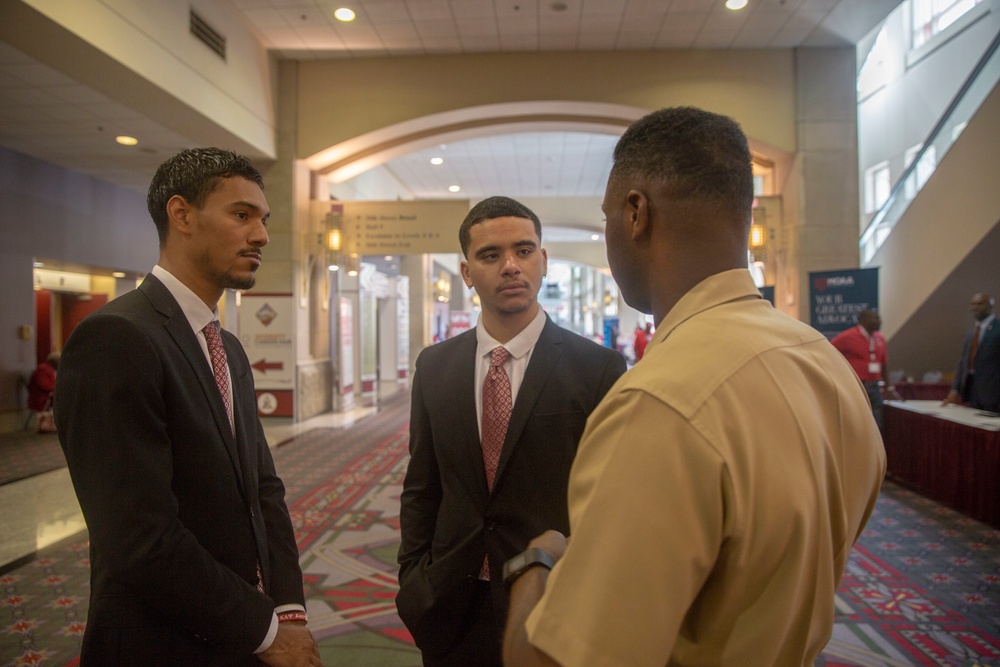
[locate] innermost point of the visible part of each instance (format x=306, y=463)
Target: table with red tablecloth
x=948, y=453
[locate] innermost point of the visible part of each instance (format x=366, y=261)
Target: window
x=877, y=187
x=925, y=167
x=875, y=71
x=933, y=16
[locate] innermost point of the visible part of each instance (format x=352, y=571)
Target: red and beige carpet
x=922, y=586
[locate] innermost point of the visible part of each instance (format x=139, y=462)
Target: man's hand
x=293, y=646
x=952, y=398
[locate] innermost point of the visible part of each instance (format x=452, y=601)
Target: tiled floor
x=42, y=510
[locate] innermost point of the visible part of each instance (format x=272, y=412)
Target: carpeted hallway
x=922, y=587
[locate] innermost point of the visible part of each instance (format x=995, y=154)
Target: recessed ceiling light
x=453, y=188
x=117, y=274
x=736, y=4
x=595, y=237
x=333, y=267
x=437, y=160
x=344, y=14
x=388, y=258
x=126, y=140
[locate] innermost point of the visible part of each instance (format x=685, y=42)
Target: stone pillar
x=820, y=226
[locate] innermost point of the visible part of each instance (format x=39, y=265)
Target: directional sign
x=266, y=331
x=264, y=366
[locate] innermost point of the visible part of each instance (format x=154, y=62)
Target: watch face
x=515, y=564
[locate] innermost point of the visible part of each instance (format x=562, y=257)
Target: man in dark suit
x=474, y=493
x=977, y=381
x=193, y=556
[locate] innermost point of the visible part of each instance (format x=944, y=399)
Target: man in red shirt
x=864, y=348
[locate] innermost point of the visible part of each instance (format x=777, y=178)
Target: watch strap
x=526, y=560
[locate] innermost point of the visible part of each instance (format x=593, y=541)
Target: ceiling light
x=736, y=4
x=595, y=237
x=117, y=274
x=38, y=265
x=333, y=267
x=453, y=188
x=388, y=258
x=126, y=140
x=437, y=160
x=344, y=14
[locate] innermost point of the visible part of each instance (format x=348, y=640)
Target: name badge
x=874, y=367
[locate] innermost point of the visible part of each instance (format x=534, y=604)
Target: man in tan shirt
x=721, y=483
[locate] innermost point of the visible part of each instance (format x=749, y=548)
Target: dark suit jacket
x=179, y=511
x=984, y=394
x=448, y=518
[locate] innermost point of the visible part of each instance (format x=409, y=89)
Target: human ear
x=179, y=213
x=637, y=213
x=466, y=276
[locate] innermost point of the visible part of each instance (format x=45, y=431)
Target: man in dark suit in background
x=193, y=556
x=977, y=381
x=477, y=487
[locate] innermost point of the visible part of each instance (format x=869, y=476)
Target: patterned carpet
x=922, y=587
x=25, y=453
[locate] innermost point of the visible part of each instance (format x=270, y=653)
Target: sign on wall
x=266, y=331
x=402, y=227
x=836, y=298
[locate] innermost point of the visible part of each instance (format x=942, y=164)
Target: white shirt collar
x=194, y=309
x=519, y=345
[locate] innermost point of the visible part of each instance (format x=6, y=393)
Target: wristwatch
x=524, y=561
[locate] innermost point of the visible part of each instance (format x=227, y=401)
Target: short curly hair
x=194, y=174
x=696, y=154
x=495, y=207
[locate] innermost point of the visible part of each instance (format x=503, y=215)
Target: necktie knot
x=499, y=356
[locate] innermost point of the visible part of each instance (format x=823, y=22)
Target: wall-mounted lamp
x=758, y=236
x=333, y=240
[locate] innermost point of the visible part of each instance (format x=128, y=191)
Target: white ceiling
x=45, y=114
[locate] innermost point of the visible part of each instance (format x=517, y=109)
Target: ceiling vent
x=209, y=35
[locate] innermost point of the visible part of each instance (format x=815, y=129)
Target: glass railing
x=963, y=107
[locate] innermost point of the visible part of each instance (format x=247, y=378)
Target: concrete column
x=820, y=226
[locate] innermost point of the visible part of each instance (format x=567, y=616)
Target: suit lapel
x=179, y=328
x=544, y=358
x=241, y=412
x=465, y=398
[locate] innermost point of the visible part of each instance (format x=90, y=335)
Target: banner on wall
x=266, y=331
x=461, y=321
x=611, y=332
x=836, y=298
x=346, y=353
x=368, y=342
x=403, y=327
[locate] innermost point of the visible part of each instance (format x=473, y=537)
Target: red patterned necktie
x=496, y=416
x=218, y=354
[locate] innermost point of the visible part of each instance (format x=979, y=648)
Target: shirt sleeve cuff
x=272, y=632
